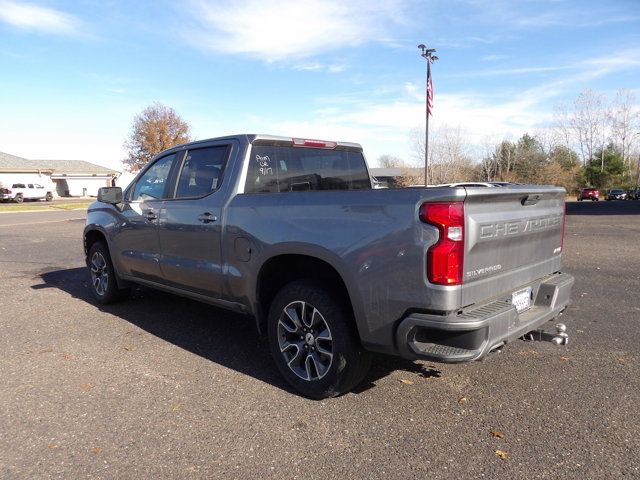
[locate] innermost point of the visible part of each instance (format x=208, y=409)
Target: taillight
x=445, y=259
x=303, y=142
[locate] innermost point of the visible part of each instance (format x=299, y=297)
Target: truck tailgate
x=513, y=237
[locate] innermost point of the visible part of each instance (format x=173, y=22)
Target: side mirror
x=112, y=195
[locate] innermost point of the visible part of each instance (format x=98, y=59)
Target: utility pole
x=428, y=55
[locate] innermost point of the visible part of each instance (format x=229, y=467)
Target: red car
x=589, y=194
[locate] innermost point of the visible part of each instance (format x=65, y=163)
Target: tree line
x=591, y=143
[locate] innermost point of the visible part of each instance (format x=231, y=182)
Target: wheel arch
x=91, y=236
x=283, y=268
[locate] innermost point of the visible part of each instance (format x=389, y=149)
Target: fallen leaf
x=463, y=400
x=622, y=360
x=406, y=382
x=86, y=387
x=526, y=353
x=52, y=446
x=130, y=348
x=97, y=450
x=502, y=454
x=177, y=407
x=497, y=434
x=564, y=359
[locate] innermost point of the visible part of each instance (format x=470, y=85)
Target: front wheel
x=104, y=286
x=313, y=341
x=48, y=197
x=19, y=198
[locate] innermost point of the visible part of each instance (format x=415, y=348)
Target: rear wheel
x=48, y=197
x=104, y=286
x=19, y=198
x=313, y=341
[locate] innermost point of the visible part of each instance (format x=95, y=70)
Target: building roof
x=12, y=163
x=386, y=172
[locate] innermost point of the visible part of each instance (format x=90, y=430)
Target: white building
x=66, y=178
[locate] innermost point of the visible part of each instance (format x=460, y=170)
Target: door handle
x=207, y=217
x=150, y=215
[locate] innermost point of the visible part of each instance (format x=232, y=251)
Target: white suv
x=25, y=191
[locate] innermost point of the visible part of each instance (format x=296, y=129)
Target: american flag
x=429, y=91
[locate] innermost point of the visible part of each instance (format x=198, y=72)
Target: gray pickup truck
x=290, y=232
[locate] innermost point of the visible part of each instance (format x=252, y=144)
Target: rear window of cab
x=287, y=169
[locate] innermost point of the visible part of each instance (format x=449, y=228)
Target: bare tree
x=157, y=128
x=624, y=124
x=563, y=126
x=449, y=160
x=390, y=161
x=488, y=166
x=588, y=123
x=409, y=175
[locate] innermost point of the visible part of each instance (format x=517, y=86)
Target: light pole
x=637, y=171
x=428, y=55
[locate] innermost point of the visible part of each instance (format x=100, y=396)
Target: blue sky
x=74, y=73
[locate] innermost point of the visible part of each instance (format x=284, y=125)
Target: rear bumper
x=471, y=333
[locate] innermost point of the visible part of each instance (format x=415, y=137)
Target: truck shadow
x=220, y=336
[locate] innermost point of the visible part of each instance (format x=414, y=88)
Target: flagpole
x=426, y=129
x=427, y=54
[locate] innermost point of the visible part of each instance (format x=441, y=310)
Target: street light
x=428, y=55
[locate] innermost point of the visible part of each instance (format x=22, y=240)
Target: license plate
x=522, y=299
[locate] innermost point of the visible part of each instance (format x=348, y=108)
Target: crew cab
x=291, y=232
x=19, y=192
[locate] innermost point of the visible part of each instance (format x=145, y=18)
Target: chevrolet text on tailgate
x=291, y=232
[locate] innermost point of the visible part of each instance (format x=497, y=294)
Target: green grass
x=21, y=207
x=71, y=206
x=39, y=206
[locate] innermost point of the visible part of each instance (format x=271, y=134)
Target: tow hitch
x=561, y=337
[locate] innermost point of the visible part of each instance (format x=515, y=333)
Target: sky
x=73, y=74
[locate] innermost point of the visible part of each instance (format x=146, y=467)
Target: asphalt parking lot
x=163, y=387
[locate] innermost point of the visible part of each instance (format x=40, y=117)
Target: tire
x=48, y=197
x=19, y=198
x=319, y=354
x=104, y=286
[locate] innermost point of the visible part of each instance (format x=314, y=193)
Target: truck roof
x=264, y=139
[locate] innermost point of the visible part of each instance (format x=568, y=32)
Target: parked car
x=633, y=194
x=589, y=194
x=616, y=194
x=20, y=192
x=291, y=232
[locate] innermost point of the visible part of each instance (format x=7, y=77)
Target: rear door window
x=201, y=172
x=289, y=169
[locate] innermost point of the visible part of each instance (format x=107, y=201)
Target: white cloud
x=281, y=29
x=28, y=16
x=319, y=67
x=494, y=58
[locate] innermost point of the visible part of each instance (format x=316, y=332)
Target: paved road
x=16, y=219
x=163, y=387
